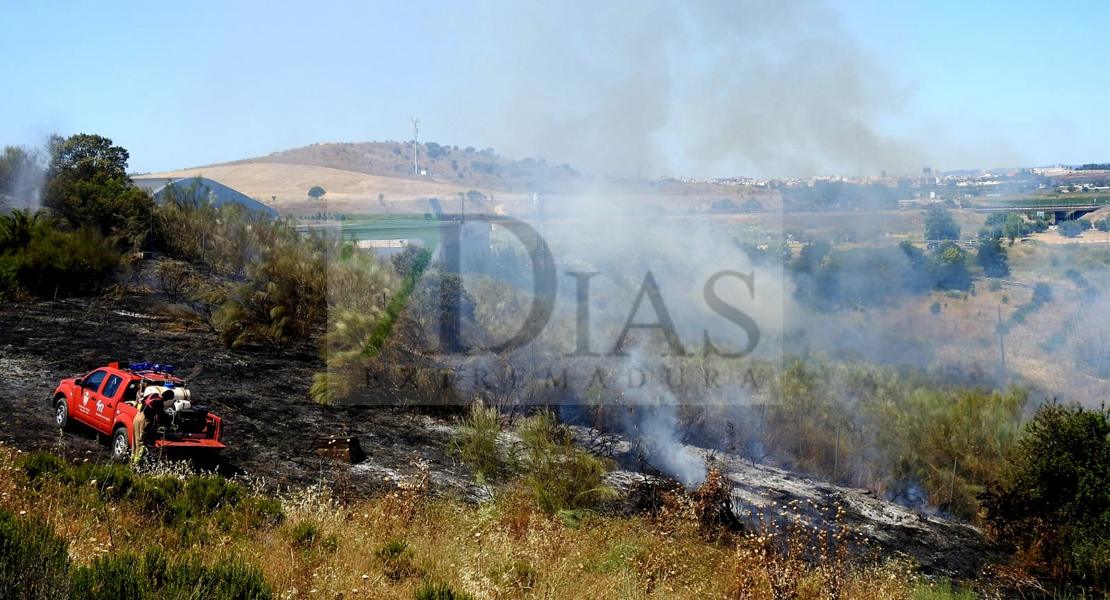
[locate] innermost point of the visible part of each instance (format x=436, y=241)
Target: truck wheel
x=121, y=446
x=61, y=415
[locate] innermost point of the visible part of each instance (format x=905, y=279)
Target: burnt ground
x=270, y=425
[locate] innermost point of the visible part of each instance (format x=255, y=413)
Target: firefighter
x=151, y=408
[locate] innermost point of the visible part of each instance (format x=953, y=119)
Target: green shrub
x=40, y=465
x=113, y=481
x=34, y=563
x=185, y=505
x=126, y=577
x=39, y=257
x=1052, y=498
x=115, y=577
x=559, y=474
x=306, y=536
x=1042, y=293
x=439, y=591
x=476, y=443
x=396, y=559
x=935, y=308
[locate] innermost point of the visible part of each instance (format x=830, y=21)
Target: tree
x=939, y=225
x=88, y=186
x=950, y=267
x=476, y=197
x=1074, y=228
x=88, y=156
x=1103, y=225
x=992, y=257
x=1052, y=499
x=316, y=192
x=1014, y=228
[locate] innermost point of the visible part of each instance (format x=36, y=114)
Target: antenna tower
x=415, y=145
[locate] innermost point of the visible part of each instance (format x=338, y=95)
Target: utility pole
x=859, y=147
x=415, y=145
x=1002, y=340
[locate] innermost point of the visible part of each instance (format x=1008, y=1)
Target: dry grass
x=385, y=547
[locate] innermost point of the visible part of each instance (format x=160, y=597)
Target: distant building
x=216, y=192
x=387, y=237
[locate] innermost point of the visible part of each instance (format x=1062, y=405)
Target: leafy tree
x=1103, y=224
x=87, y=156
x=950, y=267
x=1051, y=502
x=992, y=257
x=88, y=186
x=316, y=192
x=1014, y=228
x=434, y=150
x=476, y=197
x=1074, y=228
x=940, y=225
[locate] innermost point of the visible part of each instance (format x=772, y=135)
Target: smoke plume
x=726, y=87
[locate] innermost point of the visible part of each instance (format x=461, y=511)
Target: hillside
x=284, y=186
x=378, y=177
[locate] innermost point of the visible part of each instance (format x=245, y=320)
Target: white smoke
x=709, y=87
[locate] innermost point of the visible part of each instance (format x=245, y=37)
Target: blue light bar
x=169, y=369
x=140, y=366
x=157, y=367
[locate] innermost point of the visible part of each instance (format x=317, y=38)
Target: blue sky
x=951, y=84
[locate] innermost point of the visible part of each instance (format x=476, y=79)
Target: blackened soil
x=270, y=424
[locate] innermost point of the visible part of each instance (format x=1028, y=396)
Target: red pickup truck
x=107, y=399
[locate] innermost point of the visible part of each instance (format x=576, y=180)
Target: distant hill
x=467, y=167
x=378, y=177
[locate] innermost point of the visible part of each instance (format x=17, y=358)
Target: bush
x=47, y=261
x=396, y=559
x=439, y=591
x=306, y=536
x=1051, y=501
x=40, y=465
x=559, y=474
x=125, y=577
x=34, y=563
x=1073, y=228
x=282, y=301
x=935, y=308
x=1042, y=293
x=477, y=443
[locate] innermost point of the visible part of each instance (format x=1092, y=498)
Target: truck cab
x=107, y=400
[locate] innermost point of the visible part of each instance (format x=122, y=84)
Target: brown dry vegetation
x=385, y=547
